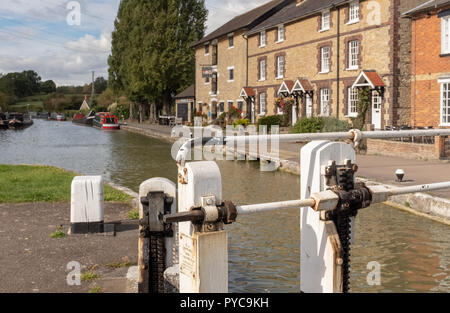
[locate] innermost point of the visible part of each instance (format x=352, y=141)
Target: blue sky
x=34, y=34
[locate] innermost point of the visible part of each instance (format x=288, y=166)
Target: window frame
x=445, y=35
x=353, y=55
x=262, y=35
x=322, y=21
x=442, y=101
x=280, y=30
x=262, y=69
x=351, y=98
x=352, y=7
x=261, y=111
x=230, y=70
x=324, y=92
x=207, y=49
x=324, y=70
x=280, y=57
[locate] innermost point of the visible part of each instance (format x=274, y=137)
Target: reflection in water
x=263, y=248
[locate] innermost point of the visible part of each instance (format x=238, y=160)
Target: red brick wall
x=427, y=66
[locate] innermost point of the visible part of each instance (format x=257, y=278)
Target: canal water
x=264, y=254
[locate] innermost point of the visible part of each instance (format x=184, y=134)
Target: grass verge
x=27, y=183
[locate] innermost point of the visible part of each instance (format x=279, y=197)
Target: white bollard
x=320, y=271
x=86, y=212
x=203, y=256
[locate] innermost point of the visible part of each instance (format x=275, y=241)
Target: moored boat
x=19, y=121
x=3, y=121
x=105, y=120
x=61, y=118
x=83, y=119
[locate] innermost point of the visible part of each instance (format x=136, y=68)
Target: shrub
x=244, y=122
x=271, y=120
x=308, y=125
x=332, y=124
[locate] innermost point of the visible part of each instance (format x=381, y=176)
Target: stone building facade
x=430, y=66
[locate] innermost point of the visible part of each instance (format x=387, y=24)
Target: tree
x=20, y=85
x=151, y=57
x=100, y=85
x=362, y=106
x=48, y=86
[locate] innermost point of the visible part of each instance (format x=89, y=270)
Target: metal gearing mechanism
x=352, y=197
x=153, y=230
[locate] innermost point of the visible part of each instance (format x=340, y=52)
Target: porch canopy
x=298, y=88
x=369, y=79
x=247, y=93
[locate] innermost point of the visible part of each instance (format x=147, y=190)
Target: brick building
x=317, y=52
x=221, y=61
x=430, y=82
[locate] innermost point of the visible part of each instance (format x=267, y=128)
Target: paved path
x=377, y=168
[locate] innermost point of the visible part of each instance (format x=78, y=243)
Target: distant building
x=85, y=105
x=185, y=102
x=430, y=64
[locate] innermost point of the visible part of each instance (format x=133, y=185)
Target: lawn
x=24, y=183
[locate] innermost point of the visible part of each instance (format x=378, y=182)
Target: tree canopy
x=151, y=57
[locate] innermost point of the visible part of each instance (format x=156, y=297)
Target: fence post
x=155, y=248
x=203, y=253
x=320, y=268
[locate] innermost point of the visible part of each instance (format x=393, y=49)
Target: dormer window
x=353, y=12
x=262, y=39
x=326, y=20
x=280, y=33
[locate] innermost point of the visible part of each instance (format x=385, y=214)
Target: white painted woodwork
x=87, y=200
x=203, y=257
x=318, y=270
x=170, y=189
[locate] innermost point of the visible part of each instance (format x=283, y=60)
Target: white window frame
x=377, y=100
x=219, y=112
x=445, y=33
x=280, y=69
x=261, y=111
x=325, y=61
x=229, y=69
x=281, y=31
x=262, y=70
x=262, y=35
x=229, y=37
x=325, y=21
x=353, y=12
x=353, y=98
x=209, y=48
x=353, y=55
x=444, y=103
x=325, y=102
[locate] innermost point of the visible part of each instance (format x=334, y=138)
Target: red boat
x=105, y=120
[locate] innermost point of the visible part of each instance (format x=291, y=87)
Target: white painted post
x=203, y=256
x=320, y=271
x=86, y=209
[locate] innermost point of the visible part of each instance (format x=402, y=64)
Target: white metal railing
x=379, y=193
x=354, y=135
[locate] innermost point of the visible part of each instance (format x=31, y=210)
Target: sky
x=44, y=35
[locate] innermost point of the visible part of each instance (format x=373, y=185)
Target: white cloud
x=55, y=55
x=91, y=44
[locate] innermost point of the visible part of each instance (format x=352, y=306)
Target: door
x=376, y=110
x=309, y=106
x=182, y=111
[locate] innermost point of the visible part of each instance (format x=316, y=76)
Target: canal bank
x=374, y=170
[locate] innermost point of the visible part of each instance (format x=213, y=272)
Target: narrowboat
x=82, y=119
x=105, y=120
x=19, y=121
x=3, y=121
x=61, y=118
